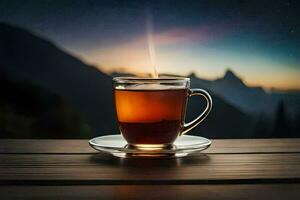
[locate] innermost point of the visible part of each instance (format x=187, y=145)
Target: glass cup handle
x=198, y=92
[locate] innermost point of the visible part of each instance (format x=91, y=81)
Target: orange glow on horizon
x=208, y=63
x=291, y=83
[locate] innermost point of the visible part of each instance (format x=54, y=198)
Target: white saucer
x=117, y=146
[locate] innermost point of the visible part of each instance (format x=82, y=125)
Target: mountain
x=252, y=100
x=28, y=57
x=231, y=79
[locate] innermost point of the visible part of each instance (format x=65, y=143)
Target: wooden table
x=229, y=169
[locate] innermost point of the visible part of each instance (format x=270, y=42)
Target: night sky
x=259, y=40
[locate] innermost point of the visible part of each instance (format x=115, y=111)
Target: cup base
x=150, y=147
x=118, y=146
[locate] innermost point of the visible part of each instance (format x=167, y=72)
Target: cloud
x=183, y=35
x=135, y=53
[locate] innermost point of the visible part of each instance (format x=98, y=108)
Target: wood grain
x=133, y=192
x=104, y=169
x=218, y=146
x=70, y=169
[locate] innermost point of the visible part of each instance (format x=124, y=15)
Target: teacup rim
x=165, y=79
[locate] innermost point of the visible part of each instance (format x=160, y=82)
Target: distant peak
x=229, y=73
x=230, y=76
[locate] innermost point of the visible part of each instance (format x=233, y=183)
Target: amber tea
x=150, y=116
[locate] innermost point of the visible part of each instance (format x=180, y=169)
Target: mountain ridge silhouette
x=252, y=100
x=27, y=56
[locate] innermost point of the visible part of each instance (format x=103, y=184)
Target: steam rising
x=151, y=46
